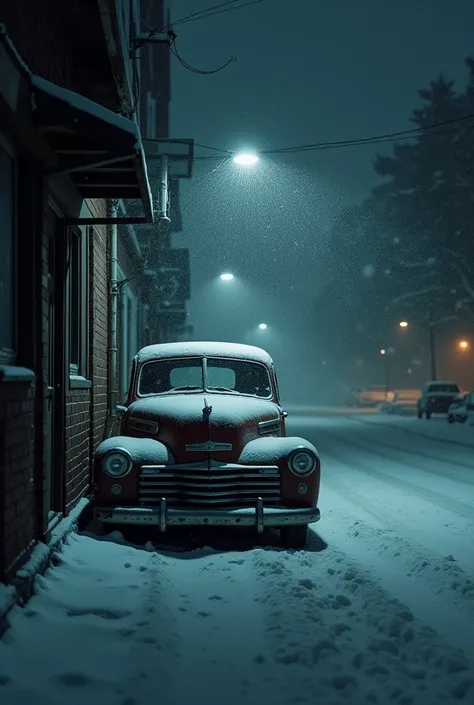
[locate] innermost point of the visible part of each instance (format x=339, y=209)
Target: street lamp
x=463, y=345
x=226, y=277
x=262, y=326
x=403, y=324
x=245, y=159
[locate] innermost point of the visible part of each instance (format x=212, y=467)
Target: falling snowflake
x=396, y=240
x=431, y=260
x=368, y=271
x=388, y=272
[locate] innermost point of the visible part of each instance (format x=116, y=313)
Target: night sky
x=305, y=72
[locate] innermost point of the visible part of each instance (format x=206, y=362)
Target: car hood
x=185, y=423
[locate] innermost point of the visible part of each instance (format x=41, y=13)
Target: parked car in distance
x=404, y=402
x=202, y=442
x=369, y=397
x=462, y=410
x=437, y=397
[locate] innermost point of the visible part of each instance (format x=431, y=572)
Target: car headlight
x=302, y=462
x=117, y=463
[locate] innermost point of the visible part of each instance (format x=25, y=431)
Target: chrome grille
x=196, y=484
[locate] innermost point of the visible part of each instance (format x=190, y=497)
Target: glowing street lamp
x=403, y=324
x=262, y=326
x=226, y=276
x=463, y=345
x=245, y=159
x=383, y=351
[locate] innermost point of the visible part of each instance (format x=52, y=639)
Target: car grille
x=196, y=484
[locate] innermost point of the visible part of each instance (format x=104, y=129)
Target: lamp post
x=431, y=331
x=226, y=277
x=386, y=352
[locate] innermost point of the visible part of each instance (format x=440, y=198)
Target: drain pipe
x=112, y=416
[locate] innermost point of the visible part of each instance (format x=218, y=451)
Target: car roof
x=440, y=381
x=203, y=349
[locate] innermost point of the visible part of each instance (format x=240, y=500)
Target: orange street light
x=463, y=345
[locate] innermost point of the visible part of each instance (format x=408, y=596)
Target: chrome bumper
x=163, y=516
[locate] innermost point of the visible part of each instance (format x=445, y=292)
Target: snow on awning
x=101, y=151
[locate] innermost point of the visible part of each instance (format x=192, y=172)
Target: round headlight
x=117, y=463
x=302, y=462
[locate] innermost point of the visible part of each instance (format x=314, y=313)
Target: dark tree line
x=408, y=251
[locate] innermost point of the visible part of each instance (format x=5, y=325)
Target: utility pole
x=432, y=351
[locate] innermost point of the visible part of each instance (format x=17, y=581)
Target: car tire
x=462, y=419
x=294, y=536
x=428, y=414
x=451, y=418
x=419, y=413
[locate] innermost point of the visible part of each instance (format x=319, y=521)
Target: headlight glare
x=117, y=463
x=302, y=462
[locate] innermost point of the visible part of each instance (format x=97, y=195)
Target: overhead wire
x=376, y=139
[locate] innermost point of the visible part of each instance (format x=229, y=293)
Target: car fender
x=142, y=450
x=273, y=449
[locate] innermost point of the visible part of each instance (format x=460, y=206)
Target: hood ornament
x=207, y=411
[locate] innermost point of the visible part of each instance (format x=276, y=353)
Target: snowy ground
x=378, y=609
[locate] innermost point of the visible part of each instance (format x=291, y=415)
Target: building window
x=7, y=253
x=78, y=301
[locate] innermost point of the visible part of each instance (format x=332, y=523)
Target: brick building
x=76, y=186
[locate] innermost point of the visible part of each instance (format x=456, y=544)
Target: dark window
x=75, y=302
x=7, y=254
x=78, y=301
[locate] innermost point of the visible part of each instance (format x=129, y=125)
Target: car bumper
x=259, y=517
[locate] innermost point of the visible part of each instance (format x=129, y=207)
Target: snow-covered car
x=202, y=442
x=404, y=402
x=369, y=397
x=462, y=410
x=436, y=398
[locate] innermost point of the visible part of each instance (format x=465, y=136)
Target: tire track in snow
x=222, y=641
x=425, y=493
x=412, y=432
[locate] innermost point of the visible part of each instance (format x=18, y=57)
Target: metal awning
x=100, y=151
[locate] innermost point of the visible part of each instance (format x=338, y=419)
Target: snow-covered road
x=378, y=609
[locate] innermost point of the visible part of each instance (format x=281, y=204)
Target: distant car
x=202, y=442
x=404, y=402
x=462, y=410
x=437, y=397
x=369, y=397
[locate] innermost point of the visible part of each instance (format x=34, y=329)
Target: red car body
x=205, y=454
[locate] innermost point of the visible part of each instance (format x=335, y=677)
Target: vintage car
x=202, y=442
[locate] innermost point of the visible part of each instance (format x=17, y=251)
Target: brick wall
x=17, y=507
x=78, y=432
x=98, y=324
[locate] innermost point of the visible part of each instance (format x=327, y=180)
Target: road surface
x=378, y=609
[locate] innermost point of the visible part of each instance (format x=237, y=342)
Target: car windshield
x=444, y=388
x=231, y=376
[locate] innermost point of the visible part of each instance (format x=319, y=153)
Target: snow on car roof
x=203, y=349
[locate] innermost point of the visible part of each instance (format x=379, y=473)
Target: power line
x=376, y=139
x=191, y=68
x=219, y=12
x=391, y=136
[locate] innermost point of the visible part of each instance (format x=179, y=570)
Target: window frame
x=78, y=369
x=8, y=355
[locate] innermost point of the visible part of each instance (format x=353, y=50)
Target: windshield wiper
x=186, y=387
x=223, y=389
